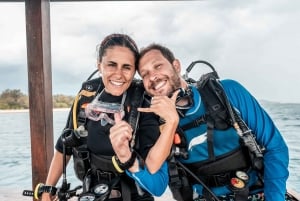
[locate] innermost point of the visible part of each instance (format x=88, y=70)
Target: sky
x=254, y=42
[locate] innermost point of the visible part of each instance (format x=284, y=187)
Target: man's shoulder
x=230, y=86
x=229, y=83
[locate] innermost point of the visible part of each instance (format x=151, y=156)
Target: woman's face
x=117, y=69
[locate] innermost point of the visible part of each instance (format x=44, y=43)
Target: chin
x=159, y=93
x=116, y=92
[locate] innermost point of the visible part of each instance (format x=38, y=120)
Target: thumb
x=117, y=117
x=175, y=94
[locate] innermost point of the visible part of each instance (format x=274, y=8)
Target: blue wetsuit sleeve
x=276, y=157
x=156, y=183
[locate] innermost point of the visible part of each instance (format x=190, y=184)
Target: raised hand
x=163, y=106
x=120, y=136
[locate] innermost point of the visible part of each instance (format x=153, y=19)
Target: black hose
x=198, y=180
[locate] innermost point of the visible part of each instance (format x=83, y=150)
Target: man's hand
x=163, y=106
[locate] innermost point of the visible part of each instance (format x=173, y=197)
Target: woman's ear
x=177, y=66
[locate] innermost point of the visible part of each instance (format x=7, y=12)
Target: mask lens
x=98, y=110
x=184, y=95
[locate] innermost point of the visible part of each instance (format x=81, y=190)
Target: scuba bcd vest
x=77, y=118
x=219, y=115
x=86, y=163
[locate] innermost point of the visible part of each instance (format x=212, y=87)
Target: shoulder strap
x=86, y=94
x=223, y=115
x=213, y=97
x=136, y=94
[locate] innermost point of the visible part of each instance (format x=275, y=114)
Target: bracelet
x=114, y=162
x=127, y=164
x=42, y=188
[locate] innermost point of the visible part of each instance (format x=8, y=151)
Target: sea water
x=15, y=153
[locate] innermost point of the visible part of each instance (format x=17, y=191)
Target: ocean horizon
x=15, y=161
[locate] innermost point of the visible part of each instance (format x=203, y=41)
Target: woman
x=111, y=140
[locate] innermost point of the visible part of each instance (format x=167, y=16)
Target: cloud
x=254, y=42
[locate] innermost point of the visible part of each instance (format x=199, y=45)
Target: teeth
x=159, y=85
x=117, y=83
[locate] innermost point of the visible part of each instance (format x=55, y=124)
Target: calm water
x=15, y=159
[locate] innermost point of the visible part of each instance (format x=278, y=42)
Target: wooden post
x=40, y=87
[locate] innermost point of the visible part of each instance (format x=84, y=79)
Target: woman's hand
x=120, y=136
x=48, y=197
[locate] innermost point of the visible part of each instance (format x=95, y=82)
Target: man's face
x=160, y=77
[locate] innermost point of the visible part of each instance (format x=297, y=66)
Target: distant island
x=14, y=99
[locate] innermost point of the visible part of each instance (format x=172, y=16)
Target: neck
x=183, y=84
x=183, y=101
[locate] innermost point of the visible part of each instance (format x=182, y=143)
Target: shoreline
x=27, y=110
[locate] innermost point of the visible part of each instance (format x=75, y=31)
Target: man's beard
x=174, y=83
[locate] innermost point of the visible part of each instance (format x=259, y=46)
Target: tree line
x=15, y=99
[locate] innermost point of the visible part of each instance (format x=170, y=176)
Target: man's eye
x=144, y=76
x=158, y=67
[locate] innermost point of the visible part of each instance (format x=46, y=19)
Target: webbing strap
x=197, y=122
x=174, y=180
x=241, y=194
x=210, y=141
x=126, y=192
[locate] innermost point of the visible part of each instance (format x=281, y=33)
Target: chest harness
x=219, y=115
x=101, y=178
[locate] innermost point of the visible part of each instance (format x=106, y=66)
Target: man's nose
x=153, y=76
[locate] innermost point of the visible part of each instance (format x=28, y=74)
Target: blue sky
x=254, y=42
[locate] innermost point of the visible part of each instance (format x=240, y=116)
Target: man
x=160, y=72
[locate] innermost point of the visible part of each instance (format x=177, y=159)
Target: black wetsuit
x=99, y=144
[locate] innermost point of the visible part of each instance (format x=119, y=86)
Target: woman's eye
x=127, y=67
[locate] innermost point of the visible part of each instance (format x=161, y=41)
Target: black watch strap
x=127, y=164
x=49, y=189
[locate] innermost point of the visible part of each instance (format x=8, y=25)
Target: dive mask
x=99, y=110
x=186, y=95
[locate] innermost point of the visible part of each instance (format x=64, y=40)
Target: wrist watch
x=126, y=165
x=42, y=188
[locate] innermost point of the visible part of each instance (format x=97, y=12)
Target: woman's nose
x=118, y=71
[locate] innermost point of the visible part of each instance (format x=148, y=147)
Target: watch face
x=242, y=175
x=87, y=197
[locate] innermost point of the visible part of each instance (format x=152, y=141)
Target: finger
x=142, y=109
x=117, y=117
x=175, y=94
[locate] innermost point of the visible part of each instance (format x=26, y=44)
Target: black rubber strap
x=127, y=164
x=48, y=189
